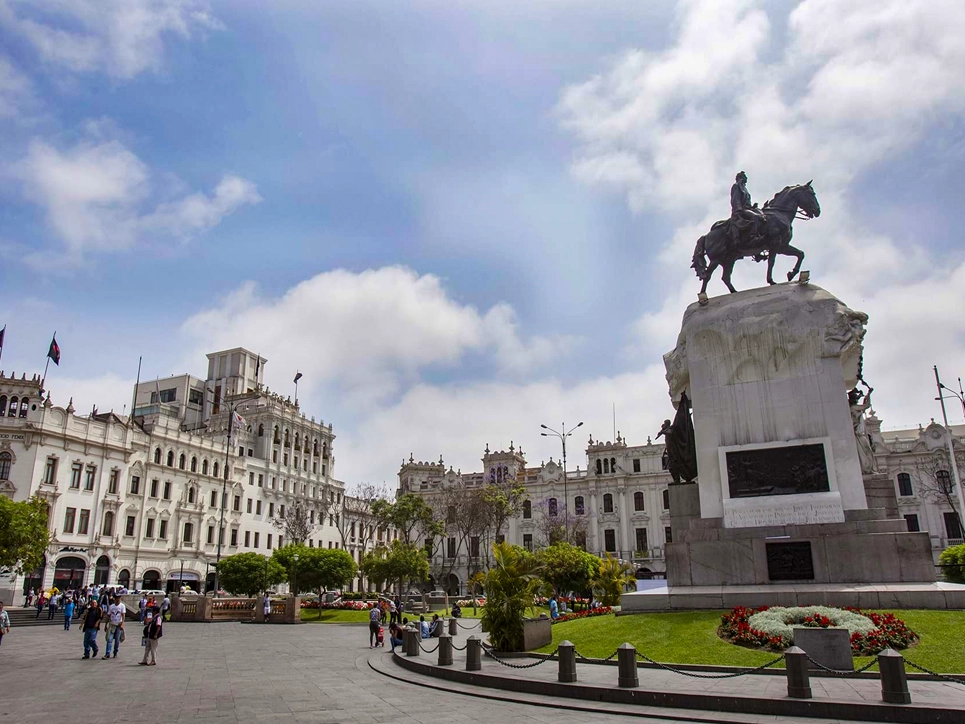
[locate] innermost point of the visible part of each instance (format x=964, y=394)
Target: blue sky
x=460, y=221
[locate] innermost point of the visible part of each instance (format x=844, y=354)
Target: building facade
x=140, y=501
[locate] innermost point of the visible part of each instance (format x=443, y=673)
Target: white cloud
x=15, y=89
x=96, y=191
x=365, y=334
x=119, y=37
x=854, y=85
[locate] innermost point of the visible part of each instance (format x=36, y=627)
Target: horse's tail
x=699, y=263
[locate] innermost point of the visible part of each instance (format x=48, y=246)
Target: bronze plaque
x=785, y=470
x=790, y=561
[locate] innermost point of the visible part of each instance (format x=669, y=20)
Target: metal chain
x=456, y=648
x=838, y=672
x=711, y=676
x=466, y=628
x=943, y=677
x=428, y=651
x=495, y=658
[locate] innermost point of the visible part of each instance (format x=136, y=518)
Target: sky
x=460, y=221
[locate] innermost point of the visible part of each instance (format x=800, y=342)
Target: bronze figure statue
x=680, y=452
x=758, y=233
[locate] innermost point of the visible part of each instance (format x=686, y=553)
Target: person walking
x=393, y=611
x=68, y=613
x=152, y=633
x=92, y=624
x=266, y=606
x=30, y=599
x=53, y=605
x=166, y=608
x=115, y=626
x=375, y=619
x=4, y=622
x=40, y=604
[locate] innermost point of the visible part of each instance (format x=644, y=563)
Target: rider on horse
x=746, y=220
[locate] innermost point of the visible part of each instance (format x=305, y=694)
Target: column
x=594, y=543
x=625, y=544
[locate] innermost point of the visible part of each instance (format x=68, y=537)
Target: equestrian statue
x=758, y=233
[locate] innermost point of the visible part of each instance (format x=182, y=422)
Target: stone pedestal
x=780, y=491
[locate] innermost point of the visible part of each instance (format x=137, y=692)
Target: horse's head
x=791, y=198
x=808, y=201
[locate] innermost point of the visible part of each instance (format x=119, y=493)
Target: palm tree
x=511, y=587
x=611, y=579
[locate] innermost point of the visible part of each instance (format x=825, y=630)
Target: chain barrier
x=457, y=648
x=428, y=651
x=591, y=660
x=495, y=658
x=943, y=677
x=838, y=672
x=465, y=628
x=711, y=676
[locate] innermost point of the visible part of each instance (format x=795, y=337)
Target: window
x=599, y=467
x=271, y=510
x=474, y=546
x=250, y=503
x=606, y=465
x=13, y=406
x=154, y=485
x=149, y=529
x=112, y=481
x=281, y=510
x=234, y=536
x=157, y=456
x=247, y=539
x=636, y=465
x=274, y=456
x=210, y=534
x=188, y=533
x=904, y=484
x=258, y=508
x=952, y=528
x=281, y=544
x=237, y=504
x=667, y=535
x=129, y=525
x=666, y=499
x=163, y=530
x=182, y=461
x=135, y=485
x=75, y=471
x=613, y=465
x=251, y=478
x=256, y=539
x=50, y=472
x=578, y=505
x=3, y=405
x=607, y=503
x=451, y=548
x=528, y=541
x=204, y=466
x=214, y=499
x=944, y=481
x=170, y=458
x=912, y=520
x=91, y=473
x=69, y=520
x=552, y=507
x=108, y=527
x=580, y=539
x=638, y=501
x=24, y=405
x=261, y=480
x=642, y=540
x=195, y=397
x=191, y=494
x=170, y=395
x=285, y=461
x=268, y=545
x=610, y=540
x=217, y=468
x=194, y=464
x=167, y=489
x=5, y=460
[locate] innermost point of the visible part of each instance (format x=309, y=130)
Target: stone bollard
x=445, y=650
x=567, y=654
x=798, y=677
x=627, y=666
x=452, y=627
x=412, y=643
x=894, y=682
x=473, y=654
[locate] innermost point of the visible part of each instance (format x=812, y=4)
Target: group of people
x=397, y=624
x=150, y=615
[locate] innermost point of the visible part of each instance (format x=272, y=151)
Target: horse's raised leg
x=793, y=251
x=707, y=275
x=728, y=268
x=770, y=266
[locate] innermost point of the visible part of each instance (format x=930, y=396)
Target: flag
x=257, y=367
x=54, y=351
x=298, y=376
x=2, y=333
x=238, y=421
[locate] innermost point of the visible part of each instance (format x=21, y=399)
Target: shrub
x=952, y=561
x=511, y=586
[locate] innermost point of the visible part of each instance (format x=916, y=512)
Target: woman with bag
x=152, y=632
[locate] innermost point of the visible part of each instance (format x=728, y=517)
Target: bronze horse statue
x=779, y=214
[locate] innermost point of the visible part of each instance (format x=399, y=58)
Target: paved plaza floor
x=230, y=672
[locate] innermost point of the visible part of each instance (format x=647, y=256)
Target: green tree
x=952, y=562
x=612, y=579
x=24, y=535
x=249, y=573
x=285, y=556
x=401, y=562
x=511, y=587
x=324, y=569
x=411, y=515
x=568, y=568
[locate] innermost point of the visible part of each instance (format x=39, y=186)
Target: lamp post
x=224, y=495
x=951, y=449
x=566, y=501
x=295, y=577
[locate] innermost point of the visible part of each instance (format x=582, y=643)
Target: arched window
x=108, y=528
x=14, y=404
x=599, y=467
x=606, y=465
x=191, y=494
x=315, y=447
x=324, y=449
x=170, y=458
x=552, y=507
x=204, y=466
x=182, y=461
x=194, y=464
x=904, y=484
x=124, y=578
x=298, y=440
x=607, y=503
x=527, y=509
x=613, y=465
x=3, y=405
x=275, y=438
x=288, y=438
x=5, y=460
x=215, y=468
x=638, y=501
x=24, y=406
x=578, y=505
x=261, y=430
x=102, y=571
x=157, y=456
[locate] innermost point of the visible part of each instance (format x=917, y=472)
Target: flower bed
x=340, y=605
x=587, y=613
x=467, y=602
x=770, y=627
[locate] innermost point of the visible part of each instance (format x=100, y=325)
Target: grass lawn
x=467, y=612
x=690, y=637
x=334, y=615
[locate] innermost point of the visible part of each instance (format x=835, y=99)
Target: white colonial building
x=140, y=502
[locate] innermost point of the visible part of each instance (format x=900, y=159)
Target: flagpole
x=3, y=334
x=296, y=388
x=136, y=385
x=43, y=382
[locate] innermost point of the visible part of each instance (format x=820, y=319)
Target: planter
x=830, y=647
x=537, y=632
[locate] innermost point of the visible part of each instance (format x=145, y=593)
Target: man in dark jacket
x=92, y=624
x=152, y=632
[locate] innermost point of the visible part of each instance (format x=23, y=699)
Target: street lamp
x=951, y=449
x=295, y=577
x=224, y=491
x=566, y=501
